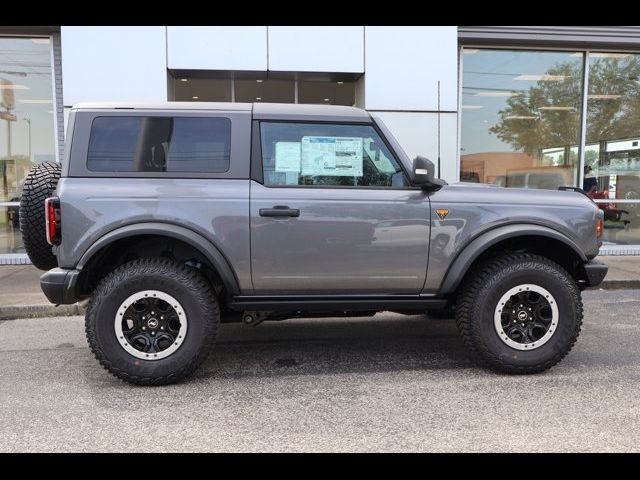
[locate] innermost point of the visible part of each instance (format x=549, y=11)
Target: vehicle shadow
x=385, y=342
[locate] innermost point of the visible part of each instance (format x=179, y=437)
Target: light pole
x=28, y=120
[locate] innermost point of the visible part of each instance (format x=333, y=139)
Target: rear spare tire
x=39, y=185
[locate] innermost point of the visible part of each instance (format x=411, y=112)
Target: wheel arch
x=531, y=238
x=197, y=242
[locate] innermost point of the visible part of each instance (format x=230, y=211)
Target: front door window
x=315, y=154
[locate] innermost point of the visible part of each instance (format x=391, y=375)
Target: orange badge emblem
x=442, y=213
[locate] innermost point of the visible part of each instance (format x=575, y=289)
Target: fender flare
x=197, y=241
x=472, y=250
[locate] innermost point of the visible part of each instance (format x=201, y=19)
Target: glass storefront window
x=521, y=117
x=26, y=124
x=10, y=238
x=327, y=93
x=265, y=90
x=189, y=89
x=227, y=86
x=612, y=151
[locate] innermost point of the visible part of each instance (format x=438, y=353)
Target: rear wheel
x=38, y=186
x=520, y=313
x=152, y=321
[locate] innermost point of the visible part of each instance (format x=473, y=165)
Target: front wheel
x=152, y=321
x=520, y=313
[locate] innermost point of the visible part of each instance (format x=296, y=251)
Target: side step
x=324, y=303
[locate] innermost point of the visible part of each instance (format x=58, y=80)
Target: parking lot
x=387, y=383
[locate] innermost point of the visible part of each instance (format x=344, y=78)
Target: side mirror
x=424, y=174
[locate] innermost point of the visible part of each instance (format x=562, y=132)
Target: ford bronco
x=167, y=219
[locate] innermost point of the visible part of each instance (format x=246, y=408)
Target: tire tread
x=193, y=280
x=38, y=186
x=478, y=278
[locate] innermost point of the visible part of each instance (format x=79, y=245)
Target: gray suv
x=171, y=218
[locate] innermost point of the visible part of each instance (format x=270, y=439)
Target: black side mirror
x=424, y=174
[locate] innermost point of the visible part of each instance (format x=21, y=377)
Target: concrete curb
x=618, y=285
x=12, y=312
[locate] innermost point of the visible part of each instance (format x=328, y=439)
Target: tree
x=608, y=117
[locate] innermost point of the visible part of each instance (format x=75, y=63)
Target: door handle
x=279, y=211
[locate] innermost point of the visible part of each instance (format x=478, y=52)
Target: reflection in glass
x=327, y=93
x=10, y=238
x=265, y=90
x=521, y=117
x=26, y=123
x=188, y=89
x=159, y=144
x=612, y=152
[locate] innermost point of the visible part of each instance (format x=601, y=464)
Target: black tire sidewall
x=41, y=183
x=553, y=280
x=197, y=307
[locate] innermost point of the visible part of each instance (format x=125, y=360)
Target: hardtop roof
x=260, y=110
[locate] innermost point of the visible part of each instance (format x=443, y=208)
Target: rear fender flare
x=197, y=241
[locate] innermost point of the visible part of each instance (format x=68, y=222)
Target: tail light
x=52, y=220
x=598, y=227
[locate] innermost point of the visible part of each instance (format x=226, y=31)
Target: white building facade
x=529, y=107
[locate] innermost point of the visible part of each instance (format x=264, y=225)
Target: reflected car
x=13, y=211
x=547, y=180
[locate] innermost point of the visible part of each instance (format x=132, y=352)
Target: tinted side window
x=159, y=144
x=327, y=154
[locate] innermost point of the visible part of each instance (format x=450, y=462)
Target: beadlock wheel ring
x=526, y=317
x=150, y=325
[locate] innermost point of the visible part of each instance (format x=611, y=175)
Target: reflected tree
x=614, y=104
x=526, y=127
x=614, y=112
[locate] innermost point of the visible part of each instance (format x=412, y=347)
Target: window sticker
x=332, y=156
x=288, y=157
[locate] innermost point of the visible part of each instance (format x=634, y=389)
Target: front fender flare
x=472, y=250
x=197, y=241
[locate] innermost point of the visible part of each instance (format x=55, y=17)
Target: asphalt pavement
x=386, y=383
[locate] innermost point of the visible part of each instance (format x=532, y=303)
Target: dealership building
x=527, y=107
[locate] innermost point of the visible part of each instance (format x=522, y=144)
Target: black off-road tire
x=187, y=286
x=39, y=185
x=480, y=294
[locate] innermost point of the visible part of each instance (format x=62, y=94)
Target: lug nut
x=144, y=328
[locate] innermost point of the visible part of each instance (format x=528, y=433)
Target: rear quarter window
x=159, y=144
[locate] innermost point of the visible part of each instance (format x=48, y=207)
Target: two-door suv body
x=170, y=218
